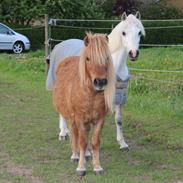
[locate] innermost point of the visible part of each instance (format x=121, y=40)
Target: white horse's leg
x=118, y=121
x=64, y=132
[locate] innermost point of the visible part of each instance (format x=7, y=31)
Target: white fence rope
x=165, y=27
x=29, y=28
x=161, y=45
x=95, y=20
x=82, y=27
x=158, y=80
x=103, y=28
x=155, y=70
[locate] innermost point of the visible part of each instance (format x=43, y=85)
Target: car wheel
x=18, y=47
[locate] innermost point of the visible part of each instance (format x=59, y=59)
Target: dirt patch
x=19, y=170
x=24, y=172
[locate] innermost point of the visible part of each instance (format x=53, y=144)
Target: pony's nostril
x=100, y=82
x=104, y=81
x=96, y=82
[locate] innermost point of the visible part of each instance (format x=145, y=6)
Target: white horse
x=123, y=43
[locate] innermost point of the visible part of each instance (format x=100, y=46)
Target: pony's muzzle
x=99, y=84
x=133, y=54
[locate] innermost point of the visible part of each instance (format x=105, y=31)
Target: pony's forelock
x=109, y=92
x=82, y=66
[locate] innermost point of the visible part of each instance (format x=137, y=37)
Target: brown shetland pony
x=83, y=93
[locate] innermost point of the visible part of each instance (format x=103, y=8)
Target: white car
x=11, y=40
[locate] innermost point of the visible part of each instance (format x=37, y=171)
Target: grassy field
x=153, y=125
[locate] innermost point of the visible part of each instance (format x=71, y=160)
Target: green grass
x=153, y=125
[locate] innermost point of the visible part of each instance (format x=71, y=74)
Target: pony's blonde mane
x=114, y=36
x=98, y=51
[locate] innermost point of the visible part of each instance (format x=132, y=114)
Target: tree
x=160, y=10
x=74, y=9
x=128, y=6
x=21, y=12
x=25, y=12
x=106, y=6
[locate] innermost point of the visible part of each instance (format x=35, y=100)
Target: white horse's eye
x=140, y=33
x=124, y=33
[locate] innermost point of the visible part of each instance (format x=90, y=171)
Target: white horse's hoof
x=125, y=149
x=88, y=158
x=63, y=137
x=75, y=160
x=123, y=146
x=88, y=155
x=98, y=171
x=81, y=172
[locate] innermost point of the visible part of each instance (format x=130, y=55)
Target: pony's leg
x=74, y=139
x=87, y=153
x=64, y=132
x=75, y=149
x=96, y=145
x=118, y=121
x=82, y=129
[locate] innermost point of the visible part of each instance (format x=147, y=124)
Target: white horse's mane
x=114, y=37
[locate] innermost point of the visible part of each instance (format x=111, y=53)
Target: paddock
x=153, y=127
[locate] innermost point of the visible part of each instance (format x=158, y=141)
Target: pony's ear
x=124, y=16
x=86, y=40
x=138, y=16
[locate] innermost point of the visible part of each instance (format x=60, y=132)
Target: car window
x=3, y=30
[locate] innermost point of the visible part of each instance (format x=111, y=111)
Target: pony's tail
x=109, y=92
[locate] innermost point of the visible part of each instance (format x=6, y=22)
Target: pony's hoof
x=98, y=171
x=80, y=172
x=63, y=138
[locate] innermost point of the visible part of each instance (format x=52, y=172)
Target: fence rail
x=118, y=20
x=155, y=70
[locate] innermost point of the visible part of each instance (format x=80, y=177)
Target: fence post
x=47, y=49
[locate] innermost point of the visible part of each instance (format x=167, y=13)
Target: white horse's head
x=128, y=33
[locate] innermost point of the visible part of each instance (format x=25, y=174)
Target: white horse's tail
x=51, y=71
x=62, y=50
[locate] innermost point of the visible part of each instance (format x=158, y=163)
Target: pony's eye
x=124, y=33
x=140, y=33
x=87, y=59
